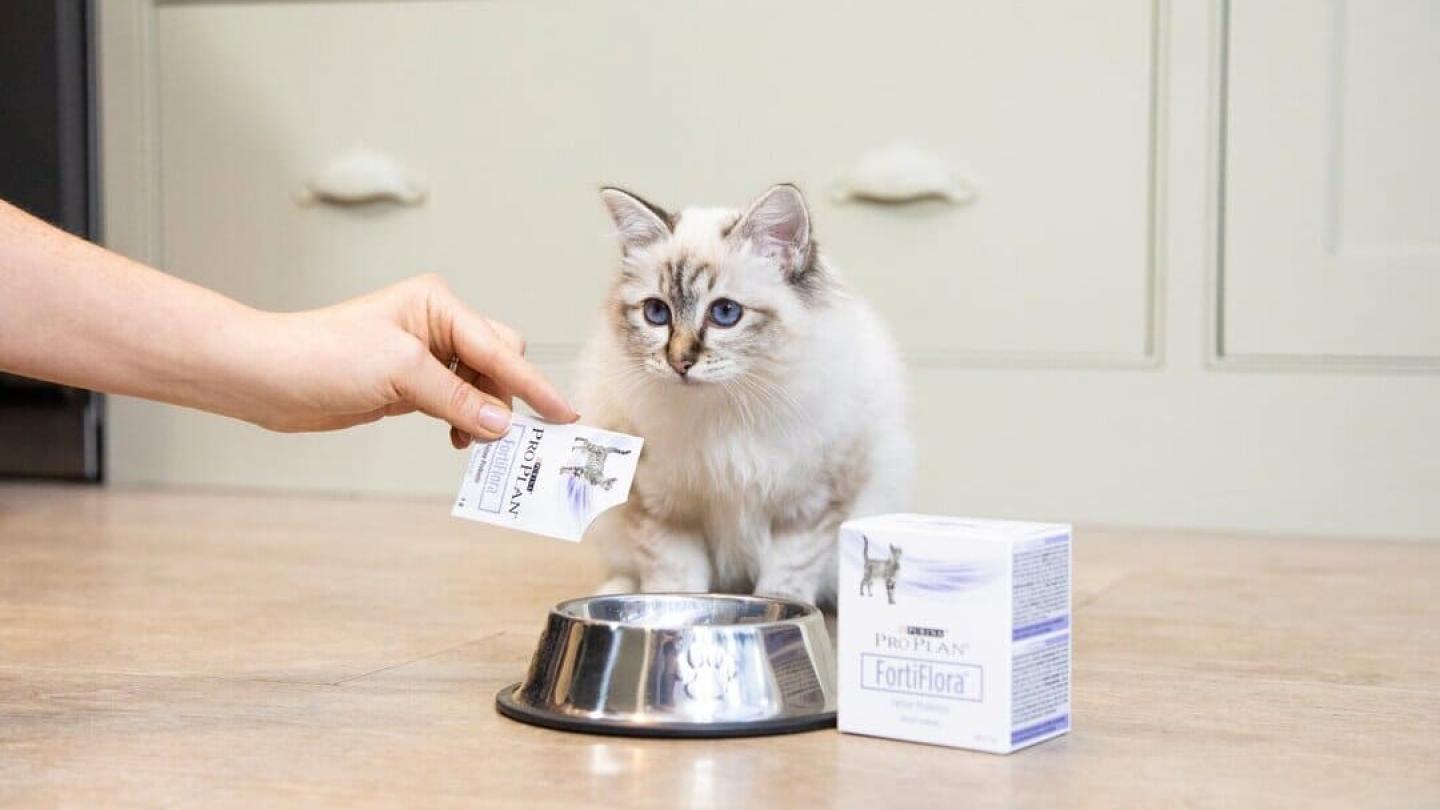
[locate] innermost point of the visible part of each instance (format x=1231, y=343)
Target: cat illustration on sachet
x=593, y=470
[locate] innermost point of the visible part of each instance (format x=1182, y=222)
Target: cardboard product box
x=954, y=631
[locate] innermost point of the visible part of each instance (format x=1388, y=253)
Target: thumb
x=434, y=389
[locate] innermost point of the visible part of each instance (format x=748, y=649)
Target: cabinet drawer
x=511, y=114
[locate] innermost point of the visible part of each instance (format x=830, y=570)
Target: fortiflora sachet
x=547, y=479
x=954, y=631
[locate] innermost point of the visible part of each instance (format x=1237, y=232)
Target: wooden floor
x=187, y=649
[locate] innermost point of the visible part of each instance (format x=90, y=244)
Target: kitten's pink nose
x=682, y=351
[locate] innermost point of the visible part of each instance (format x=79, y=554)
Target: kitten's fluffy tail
x=865, y=550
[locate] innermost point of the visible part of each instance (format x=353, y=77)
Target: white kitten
x=771, y=399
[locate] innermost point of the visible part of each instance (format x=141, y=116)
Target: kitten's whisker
x=772, y=395
x=735, y=406
x=751, y=417
x=746, y=391
x=629, y=378
x=762, y=398
x=747, y=411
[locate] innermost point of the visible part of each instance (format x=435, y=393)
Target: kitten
x=770, y=396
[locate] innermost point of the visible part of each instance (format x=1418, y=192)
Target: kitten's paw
x=614, y=585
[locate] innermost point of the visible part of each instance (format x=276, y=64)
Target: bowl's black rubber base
x=506, y=704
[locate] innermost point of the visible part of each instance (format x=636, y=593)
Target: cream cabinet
x=1193, y=286
x=510, y=115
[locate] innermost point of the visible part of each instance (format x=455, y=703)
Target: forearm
x=74, y=313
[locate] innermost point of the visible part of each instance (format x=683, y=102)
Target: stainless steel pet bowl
x=678, y=665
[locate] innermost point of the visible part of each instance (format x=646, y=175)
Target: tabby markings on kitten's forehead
x=681, y=287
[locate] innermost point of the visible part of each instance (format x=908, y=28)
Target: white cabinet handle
x=902, y=173
x=361, y=176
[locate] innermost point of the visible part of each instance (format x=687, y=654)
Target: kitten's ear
x=638, y=222
x=778, y=226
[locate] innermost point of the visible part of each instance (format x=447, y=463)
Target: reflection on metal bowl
x=678, y=665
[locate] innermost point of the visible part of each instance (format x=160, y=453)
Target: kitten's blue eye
x=725, y=312
x=656, y=312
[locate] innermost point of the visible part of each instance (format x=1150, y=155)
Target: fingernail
x=494, y=419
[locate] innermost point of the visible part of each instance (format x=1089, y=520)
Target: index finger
x=480, y=348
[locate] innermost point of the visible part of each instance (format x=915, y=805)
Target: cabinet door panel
x=1331, y=209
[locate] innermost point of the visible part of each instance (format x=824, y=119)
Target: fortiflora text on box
x=954, y=631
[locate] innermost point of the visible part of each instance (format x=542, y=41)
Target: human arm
x=74, y=313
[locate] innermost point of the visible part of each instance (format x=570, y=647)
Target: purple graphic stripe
x=1041, y=628
x=1061, y=723
x=918, y=574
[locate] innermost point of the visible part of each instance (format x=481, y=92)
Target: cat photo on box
x=770, y=396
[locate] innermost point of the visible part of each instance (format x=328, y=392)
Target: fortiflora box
x=954, y=631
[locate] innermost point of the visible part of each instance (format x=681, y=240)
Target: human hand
x=75, y=313
x=387, y=353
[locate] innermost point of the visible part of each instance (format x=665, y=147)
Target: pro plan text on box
x=955, y=631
